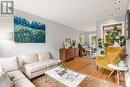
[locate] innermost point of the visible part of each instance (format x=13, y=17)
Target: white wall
x=55, y=35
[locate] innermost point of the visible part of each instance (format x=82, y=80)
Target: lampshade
x=6, y=36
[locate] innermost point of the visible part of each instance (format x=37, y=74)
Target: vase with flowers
x=123, y=56
x=63, y=68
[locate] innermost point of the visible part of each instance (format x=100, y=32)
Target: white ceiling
x=79, y=14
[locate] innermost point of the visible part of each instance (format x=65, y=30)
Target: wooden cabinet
x=68, y=54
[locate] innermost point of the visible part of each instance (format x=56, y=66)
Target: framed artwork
x=26, y=31
x=66, y=45
x=68, y=42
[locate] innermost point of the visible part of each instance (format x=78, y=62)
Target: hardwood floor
x=87, y=66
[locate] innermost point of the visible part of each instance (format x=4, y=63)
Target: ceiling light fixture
x=117, y=2
x=118, y=8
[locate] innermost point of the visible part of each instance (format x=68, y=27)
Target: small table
x=116, y=68
x=69, y=83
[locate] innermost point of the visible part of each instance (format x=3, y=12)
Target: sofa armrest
x=58, y=60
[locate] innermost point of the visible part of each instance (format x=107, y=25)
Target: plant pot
x=110, y=44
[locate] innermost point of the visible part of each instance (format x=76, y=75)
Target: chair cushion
x=23, y=83
x=29, y=58
x=110, y=56
x=17, y=74
x=9, y=64
x=34, y=67
x=50, y=62
x=43, y=56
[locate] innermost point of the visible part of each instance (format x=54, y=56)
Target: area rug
x=90, y=82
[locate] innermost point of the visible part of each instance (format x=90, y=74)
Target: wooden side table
x=68, y=54
x=117, y=69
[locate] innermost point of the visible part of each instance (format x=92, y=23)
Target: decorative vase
x=122, y=63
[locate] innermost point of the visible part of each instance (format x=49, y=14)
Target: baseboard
x=127, y=79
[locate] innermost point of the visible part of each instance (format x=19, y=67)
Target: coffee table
x=78, y=77
x=118, y=69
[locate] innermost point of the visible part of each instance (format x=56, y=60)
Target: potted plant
x=62, y=70
x=108, y=38
x=122, y=41
x=100, y=43
x=114, y=38
x=123, y=56
x=73, y=45
x=116, y=35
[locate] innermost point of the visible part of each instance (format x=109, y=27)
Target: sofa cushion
x=23, y=83
x=34, y=67
x=17, y=74
x=43, y=56
x=29, y=58
x=50, y=62
x=9, y=64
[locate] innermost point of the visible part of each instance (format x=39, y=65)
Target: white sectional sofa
x=32, y=65
x=10, y=66
x=36, y=64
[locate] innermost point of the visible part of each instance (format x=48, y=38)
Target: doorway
x=93, y=44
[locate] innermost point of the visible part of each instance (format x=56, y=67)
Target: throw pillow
x=43, y=56
x=9, y=63
x=29, y=58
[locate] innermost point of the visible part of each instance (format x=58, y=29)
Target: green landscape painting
x=28, y=32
